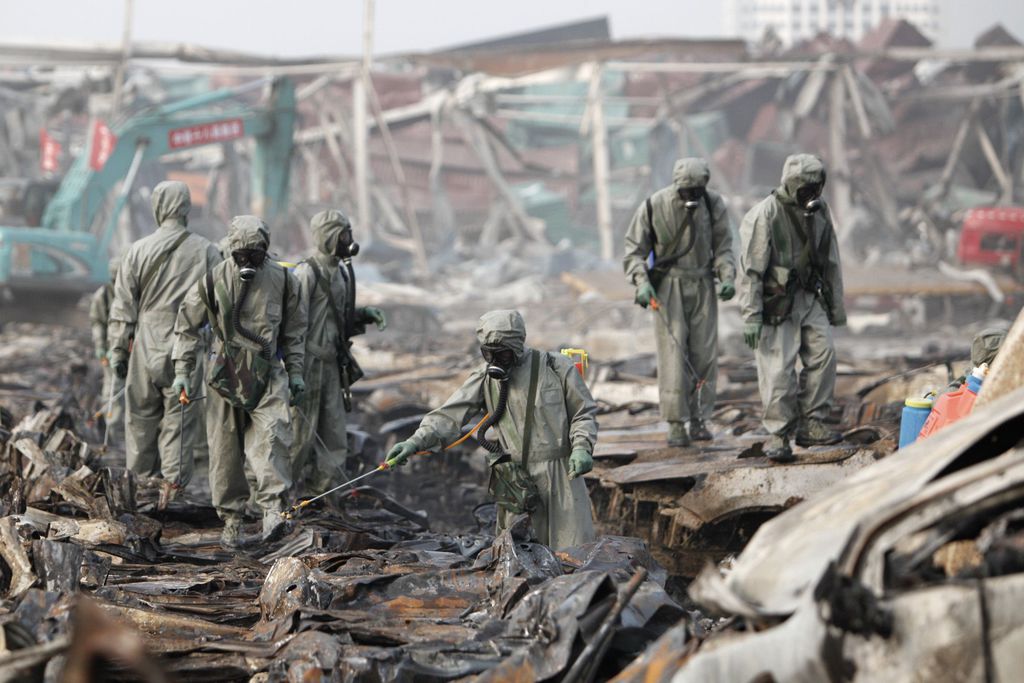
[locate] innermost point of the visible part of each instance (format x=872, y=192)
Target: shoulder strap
x=284, y=299
x=650, y=224
x=531, y=401
x=210, y=301
x=321, y=281
x=159, y=261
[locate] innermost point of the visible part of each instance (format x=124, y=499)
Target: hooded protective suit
x=99, y=321
x=686, y=294
x=155, y=274
x=796, y=291
x=261, y=436
x=324, y=288
x=564, y=418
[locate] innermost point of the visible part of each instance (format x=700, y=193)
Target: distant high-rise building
x=795, y=20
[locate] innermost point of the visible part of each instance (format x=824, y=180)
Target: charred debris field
x=110, y=576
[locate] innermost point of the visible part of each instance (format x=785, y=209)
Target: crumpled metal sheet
x=361, y=593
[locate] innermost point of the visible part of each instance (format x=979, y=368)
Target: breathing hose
x=236, y=323
x=492, y=419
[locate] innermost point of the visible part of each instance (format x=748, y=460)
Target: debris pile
x=364, y=591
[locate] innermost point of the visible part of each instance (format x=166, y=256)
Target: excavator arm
x=67, y=256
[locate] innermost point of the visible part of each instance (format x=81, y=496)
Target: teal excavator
x=54, y=264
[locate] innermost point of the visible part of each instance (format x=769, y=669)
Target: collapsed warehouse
x=500, y=174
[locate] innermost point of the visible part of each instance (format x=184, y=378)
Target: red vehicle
x=993, y=237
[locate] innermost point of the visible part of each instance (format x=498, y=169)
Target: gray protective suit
x=324, y=288
x=564, y=418
x=99, y=321
x=687, y=292
x=155, y=273
x=261, y=437
x=777, y=270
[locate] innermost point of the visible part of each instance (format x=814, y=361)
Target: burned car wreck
x=911, y=569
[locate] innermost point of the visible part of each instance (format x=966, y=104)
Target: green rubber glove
x=180, y=385
x=297, y=387
x=400, y=453
x=752, y=333
x=119, y=361
x=644, y=294
x=726, y=290
x=377, y=316
x=580, y=462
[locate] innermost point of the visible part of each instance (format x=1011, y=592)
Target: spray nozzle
x=497, y=373
x=813, y=206
x=246, y=273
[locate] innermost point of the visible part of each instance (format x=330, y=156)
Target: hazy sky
x=311, y=27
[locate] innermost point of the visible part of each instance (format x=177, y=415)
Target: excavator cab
x=23, y=200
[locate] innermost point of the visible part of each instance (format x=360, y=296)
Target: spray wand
x=386, y=465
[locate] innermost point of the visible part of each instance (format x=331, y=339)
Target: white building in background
x=795, y=20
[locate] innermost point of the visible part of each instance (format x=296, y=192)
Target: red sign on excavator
x=103, y=143
x=205, y=134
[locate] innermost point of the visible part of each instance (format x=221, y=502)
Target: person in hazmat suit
x=791, y=294
x=984, y=349
x=686, y=227
x=326, y=284
x=546, y=427
x=156, y=272
x=99, y=322
x=253, y=305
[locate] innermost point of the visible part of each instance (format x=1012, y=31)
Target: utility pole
x=126, y=53
x=594, y=123
x=359, y=125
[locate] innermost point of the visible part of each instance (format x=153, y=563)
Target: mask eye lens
x=249, y=257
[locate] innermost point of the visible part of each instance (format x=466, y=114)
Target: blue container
x=915, y=412
x=973, y=383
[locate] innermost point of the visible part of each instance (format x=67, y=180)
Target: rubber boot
x=677, y=436
x=698, y=432
x=777, y=449
x=231, y=536
x=813, y=432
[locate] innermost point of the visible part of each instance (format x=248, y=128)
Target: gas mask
x=346, y=248
x=691, y=197
x=500, y=361
x=809, y=197
x=248, y=260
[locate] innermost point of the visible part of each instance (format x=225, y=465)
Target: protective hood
x=171, y=203
x=986, y=345
x=800, y=170
x=247, y=232
x=691, y=172
x=502, y=328
x=328, y=227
